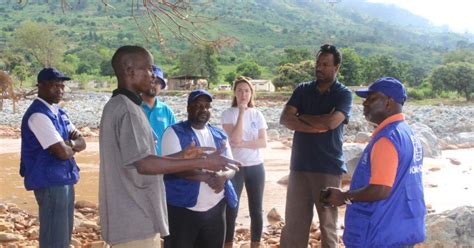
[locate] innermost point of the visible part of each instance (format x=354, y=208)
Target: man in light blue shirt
x=158, y=113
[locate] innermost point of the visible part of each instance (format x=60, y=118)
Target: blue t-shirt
x=160, y=117
x=320, y=152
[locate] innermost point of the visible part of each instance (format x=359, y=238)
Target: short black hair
x=124, y=52
x=331, y=49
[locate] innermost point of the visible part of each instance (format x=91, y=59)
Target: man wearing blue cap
x=385, y=202
x=159, y=114
x=49, y=141
x=197, y=200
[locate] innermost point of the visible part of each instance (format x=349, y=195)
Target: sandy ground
x=448, y=180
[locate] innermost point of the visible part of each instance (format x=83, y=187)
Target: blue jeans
x=56, y=215
x=254, y=179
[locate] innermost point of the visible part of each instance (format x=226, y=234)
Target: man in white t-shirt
x=197, y=200
x=49, y=141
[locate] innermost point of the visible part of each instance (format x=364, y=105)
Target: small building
x=263, y=85
x=187, y=83
x=222, y=87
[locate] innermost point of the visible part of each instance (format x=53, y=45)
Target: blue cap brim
x=362, y=93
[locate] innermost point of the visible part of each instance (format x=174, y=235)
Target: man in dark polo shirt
x=317, y=112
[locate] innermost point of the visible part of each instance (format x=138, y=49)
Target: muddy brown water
x=12, y=188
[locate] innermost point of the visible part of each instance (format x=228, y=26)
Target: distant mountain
x=263, y=28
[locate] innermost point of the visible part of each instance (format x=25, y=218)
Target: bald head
x=127, y=56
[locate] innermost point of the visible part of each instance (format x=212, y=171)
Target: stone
x=283, y=180
x=428, y=139
x=76, y=243
x=3, y=208
x=6, y=226
x=33, y=232
x=273, y=216
x=96, y=244
x=352, y=153
x=466, y=138
x=86, y=204
x=454, y=161
x=90, y=224
x=8, y=237
x=362, y=137
x=273, y=134
x=452, y=228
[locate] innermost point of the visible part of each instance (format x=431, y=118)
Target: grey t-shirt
x=132, y=206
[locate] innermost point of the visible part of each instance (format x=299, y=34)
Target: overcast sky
x=457, y=14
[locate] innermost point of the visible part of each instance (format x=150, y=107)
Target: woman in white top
x=246, y=128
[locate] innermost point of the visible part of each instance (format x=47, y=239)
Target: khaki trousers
x=302, y=195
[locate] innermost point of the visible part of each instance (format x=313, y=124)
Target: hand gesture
x=242, y=107
x=216, y=182
x=217, y=162
x=192, y=151
x=335, y=197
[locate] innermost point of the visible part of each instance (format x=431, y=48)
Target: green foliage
x=230, y=77
x=382, y=65
x=420, y=92
x=276, y=35
x=459, y=55
x=352, y=68
x=249, y=69
x=457, y=76
x=37, y=40
x=290, y=75
x=295, y=55
x=198, y=61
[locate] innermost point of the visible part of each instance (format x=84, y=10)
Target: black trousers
x=191, y=229
x=254, y=179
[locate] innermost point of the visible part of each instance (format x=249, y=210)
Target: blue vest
x=399, y=219
x=182, y=192
x=39, y=168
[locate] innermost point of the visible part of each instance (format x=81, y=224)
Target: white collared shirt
x=43, y=128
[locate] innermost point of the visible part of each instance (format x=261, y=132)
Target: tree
x=458, y=76
x=230, y=77
x=290, y=75
x=384, y=65
x=249, y=69
x=198, y=61
x=459, y=55
x=37, y=40
x=351, y=69
x=295, y=55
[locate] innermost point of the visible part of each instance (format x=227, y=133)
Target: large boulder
x=466, y=139
x=431, y=146
x=352, y=153
x=452, y=228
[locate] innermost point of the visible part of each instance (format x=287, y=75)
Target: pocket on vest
x=58, y=173
x=356, y=228
x=415, y=201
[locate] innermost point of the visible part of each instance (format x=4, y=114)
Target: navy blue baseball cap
x=388, y=86
x=197, y=93
x=51, y=73
x=159, y=74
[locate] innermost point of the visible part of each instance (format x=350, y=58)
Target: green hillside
x=262, y=30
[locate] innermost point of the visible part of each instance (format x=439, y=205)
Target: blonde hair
x=246, y=80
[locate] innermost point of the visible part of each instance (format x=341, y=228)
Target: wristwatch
x=70, y=143
x=347, y=200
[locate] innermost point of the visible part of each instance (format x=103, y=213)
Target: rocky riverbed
x=443, y=127
x=447, y=174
